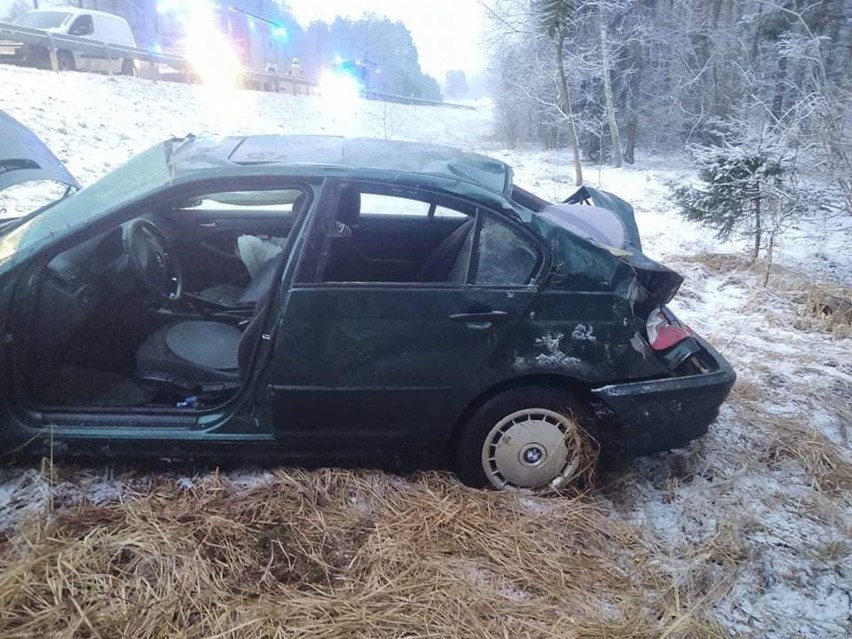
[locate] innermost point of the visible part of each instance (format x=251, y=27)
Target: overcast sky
x=447, y=32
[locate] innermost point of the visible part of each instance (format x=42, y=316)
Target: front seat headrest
x=349, y=207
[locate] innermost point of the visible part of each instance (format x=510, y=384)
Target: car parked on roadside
x=425, y=312
x=99, y=26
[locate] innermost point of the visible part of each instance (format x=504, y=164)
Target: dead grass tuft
x=821, y=307
x=338, y=554
x=816, y=453
x=718, y=262
x=828, y=308
x=746, y=390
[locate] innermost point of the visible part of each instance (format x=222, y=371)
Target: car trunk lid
x=607, y=222
x=610, y=202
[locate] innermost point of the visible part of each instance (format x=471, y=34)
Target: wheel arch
x=552, y=380
x=70, y=55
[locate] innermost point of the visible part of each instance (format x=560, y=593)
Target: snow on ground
x=96, y=123
x=818, y=246
x=755, y=518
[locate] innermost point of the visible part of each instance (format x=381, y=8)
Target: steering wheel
x=153, y=260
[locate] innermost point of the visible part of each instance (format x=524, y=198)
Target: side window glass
x=281, y=201
x=376, y=204
x=82, y=26
x=444, y=213
x=505, y=258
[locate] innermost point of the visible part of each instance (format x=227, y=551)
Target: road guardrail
x=182, y=69
x=55, y=42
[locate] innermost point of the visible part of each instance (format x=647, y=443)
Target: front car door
x=84, y=27
x=367, y=367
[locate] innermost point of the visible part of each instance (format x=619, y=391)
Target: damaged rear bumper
x=668, y=413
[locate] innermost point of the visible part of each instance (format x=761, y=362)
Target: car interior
x=162, y=311
x=388, y=238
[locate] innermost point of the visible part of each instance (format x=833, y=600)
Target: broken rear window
x=505, y=258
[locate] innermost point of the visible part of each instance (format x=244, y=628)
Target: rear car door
x=370, y=367
x=394, y=235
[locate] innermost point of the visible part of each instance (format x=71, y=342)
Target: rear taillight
x=665, y=331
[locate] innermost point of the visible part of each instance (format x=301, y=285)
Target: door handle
x=481, y=320
x=208, y=225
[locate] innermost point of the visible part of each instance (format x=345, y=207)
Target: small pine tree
x=753, y=185
x=741, y=185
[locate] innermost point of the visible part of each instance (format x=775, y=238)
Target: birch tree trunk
x=610, y=103
x=634, y=88
x=565, y=106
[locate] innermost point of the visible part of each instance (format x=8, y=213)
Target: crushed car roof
x=346, y=153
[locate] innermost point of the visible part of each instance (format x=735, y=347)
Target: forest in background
x=386, y=44
x=661, y=73
x=758, y=91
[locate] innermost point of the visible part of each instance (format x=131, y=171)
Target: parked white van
x=82, y=23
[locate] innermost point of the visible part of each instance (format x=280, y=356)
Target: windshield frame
x=143, y=175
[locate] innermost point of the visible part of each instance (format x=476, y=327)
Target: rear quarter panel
x=585, y=336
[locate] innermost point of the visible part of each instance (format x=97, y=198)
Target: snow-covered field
x=752, y=524
x=94, y=124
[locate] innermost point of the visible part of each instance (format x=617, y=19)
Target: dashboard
x=81, y=282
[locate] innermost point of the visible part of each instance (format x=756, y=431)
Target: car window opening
x=163, y=311
x=383, y=238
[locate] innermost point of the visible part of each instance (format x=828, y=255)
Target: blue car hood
x=25, y=158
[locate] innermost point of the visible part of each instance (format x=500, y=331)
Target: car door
x=207, y=233
x=84, y=27
x=379, y=367
x=394, y=235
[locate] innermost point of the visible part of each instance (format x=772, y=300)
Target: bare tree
x=555, y=16
x=607, y=81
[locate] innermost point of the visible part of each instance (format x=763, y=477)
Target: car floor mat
x=85, y=387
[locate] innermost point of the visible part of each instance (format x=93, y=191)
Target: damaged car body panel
x=666, y=412
x=417, y=301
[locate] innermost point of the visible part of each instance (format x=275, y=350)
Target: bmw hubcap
x=533, y=455
x=530, y=449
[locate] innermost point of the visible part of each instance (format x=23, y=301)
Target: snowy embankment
x=746, y=533
x=96, y=123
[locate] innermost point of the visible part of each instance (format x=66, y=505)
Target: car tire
x=128, y=68
x=549, y=440
x=65, y=61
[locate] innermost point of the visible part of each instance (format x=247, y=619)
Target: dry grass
x=746, y=390
x=794, y=437
x=338, y=554
x=718, y=262
x=822, y=307
x=818, y=455
x=827, y=308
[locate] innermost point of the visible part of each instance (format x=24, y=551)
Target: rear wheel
x=128, y=68
x=526, y=439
